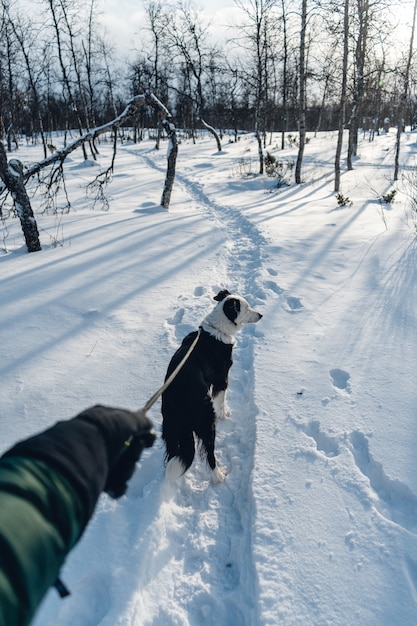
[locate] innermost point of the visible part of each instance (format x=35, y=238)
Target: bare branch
x=91, y=135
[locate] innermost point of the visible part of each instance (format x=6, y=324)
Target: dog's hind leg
x=207, y=435
x=180, y=456
x=174, y=469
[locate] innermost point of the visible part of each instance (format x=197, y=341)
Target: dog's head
x=229, y=316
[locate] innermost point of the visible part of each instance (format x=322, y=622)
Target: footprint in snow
x=199, y=291
x=395, y=500
x=340, y=379
x=294, y=305
x=176, y=318
x=270, y=284
x=325, y=443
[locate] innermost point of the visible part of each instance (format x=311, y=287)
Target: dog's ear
x=231, y=309
x=222, y=295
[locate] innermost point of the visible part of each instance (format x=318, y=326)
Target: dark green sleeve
x=41, y=518
x=49, y=486
x=86, y=448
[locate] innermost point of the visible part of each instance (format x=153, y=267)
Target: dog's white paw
x=174, y=469
x=225, y=413
x=219, y=405
x=218, y=475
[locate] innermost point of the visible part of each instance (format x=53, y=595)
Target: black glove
x=124, y=465
x=91, y=451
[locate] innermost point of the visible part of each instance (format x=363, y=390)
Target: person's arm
x=49, y=486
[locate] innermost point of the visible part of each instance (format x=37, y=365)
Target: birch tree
x=258, y=28
x=14, y=176
x=404, y=94
x=285, y=61
x=302, y=95
x=187, y=38
x=343, y=93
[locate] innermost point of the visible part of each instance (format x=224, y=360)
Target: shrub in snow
x=343, y=200
x=389, y=197
x=277, y=169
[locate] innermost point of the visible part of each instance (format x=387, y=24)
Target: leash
x=173, y=375
x=156, y=395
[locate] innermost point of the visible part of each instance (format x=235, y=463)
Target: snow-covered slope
x=316, y=522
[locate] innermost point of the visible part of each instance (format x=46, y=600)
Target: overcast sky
x=124, y=18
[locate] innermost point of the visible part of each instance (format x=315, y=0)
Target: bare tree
x=186, y=35
x=8, y=87
x=25, y=38
x=404, y=94
x=343, y=93
x=87, y=46
x=14, y=176
x=302, y=96
x=11, y=173
x=366, y=29
x=257, y=29
x=60, y=18
x=361, y=44
x=285, y=60
x=157, y=18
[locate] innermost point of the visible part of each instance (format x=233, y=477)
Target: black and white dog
x=196, y=397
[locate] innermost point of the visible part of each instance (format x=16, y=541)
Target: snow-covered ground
x=316, y=523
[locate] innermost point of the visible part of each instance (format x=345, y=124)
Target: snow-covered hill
x=316, y=523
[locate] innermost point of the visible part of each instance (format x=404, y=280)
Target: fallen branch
x=14, y=176
x=91, y=135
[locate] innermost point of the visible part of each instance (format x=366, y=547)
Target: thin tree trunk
x=360, y=54
x=214, y=133
x=12, y=175
x=64, y=71
x=260, y=151
x=172, y=149
x=342, y=114
x=302, y=108
x=403, y=100
x=284, y=76
x=171, y=163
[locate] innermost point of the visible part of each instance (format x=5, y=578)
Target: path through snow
x=192, y=581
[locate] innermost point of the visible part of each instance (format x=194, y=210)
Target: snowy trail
x=244, y=241
x=219, y=521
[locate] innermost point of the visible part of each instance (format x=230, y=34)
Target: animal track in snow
x=294, y=305
x=177, y=327
x=325, y=443
x=396, y=501
x=270, y=284
x=176, y=318
x=340, y=379
x=199, y=291
x=393, y=500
